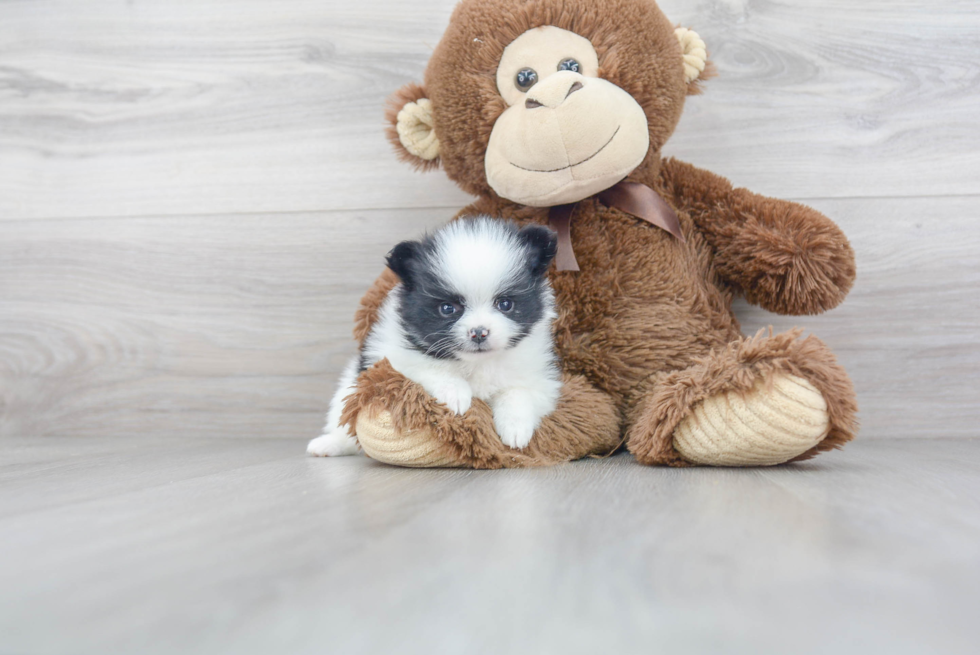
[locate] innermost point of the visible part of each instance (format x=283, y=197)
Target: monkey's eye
x=526, y=78
x=505, y=304
x=569, y=65
x=449, y=308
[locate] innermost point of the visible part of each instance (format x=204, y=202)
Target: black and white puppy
x=471, y=317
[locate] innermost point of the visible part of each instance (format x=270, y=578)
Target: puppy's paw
x=514, y=430
x=333, y=444
x=516, y=415
x=454, y=394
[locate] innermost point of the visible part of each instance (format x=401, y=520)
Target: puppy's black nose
x=479, y=334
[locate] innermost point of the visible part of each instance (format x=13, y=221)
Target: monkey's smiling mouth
x=555, y=170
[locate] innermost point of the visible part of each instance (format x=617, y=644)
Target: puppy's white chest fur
x=522, y=366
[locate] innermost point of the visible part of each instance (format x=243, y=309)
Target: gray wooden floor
x=217, y=546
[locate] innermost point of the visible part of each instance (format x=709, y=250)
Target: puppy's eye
x=505, y=305
x=526, y=78
x=569, y=65
x=449, y=308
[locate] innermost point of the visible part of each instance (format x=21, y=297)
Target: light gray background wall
x=195, y=193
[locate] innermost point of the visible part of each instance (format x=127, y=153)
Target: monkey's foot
x=381, y=440
x=772, y=423
x=760, y=401
x=397, y=422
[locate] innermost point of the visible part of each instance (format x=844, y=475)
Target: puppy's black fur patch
x=402, y=260
x=542, y=246
x=427, y=329
x=423, y=291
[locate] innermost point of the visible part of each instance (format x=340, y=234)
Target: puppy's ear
x=542, y=245
x=412, y=127
x=402, y=259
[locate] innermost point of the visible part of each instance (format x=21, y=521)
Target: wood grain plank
x=228, y=326
x=78, y=470
x=836, y=99
x=202, y=106
x=872, y=549
x=236, y=326
x=194, y=107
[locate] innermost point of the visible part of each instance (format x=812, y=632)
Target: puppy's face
x=476, y=287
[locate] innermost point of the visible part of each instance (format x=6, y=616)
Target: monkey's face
x=547, y=102
x=566, y=133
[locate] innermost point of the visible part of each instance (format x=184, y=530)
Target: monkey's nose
x=553, y=90
x=479, y=334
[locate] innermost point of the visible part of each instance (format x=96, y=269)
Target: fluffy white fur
x=521, y=383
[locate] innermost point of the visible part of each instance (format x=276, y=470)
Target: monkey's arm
x=367, y=313
x=782, y=256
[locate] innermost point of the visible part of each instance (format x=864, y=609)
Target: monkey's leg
x=762, y=401
x=398, y=423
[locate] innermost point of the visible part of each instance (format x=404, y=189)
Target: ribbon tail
x=643, y=202
x=560, y=220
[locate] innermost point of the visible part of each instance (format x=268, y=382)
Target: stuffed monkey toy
x=555, y=112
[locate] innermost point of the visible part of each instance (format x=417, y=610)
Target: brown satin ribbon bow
x=631, y=197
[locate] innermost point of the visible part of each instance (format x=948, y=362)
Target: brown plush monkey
x=555, y=112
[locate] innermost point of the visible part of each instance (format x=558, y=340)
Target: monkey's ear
x=411, y=127
x=542, y=246
x=697, y=68
x=402, y=260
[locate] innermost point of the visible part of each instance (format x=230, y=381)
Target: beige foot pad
x=381, y=441
x=761, y=427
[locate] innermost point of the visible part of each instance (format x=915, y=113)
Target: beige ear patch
x=695, y=53
x=416, y=129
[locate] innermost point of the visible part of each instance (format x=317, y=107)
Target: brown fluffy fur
x=739, y=366
x=645, y=329
x=585, y=423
